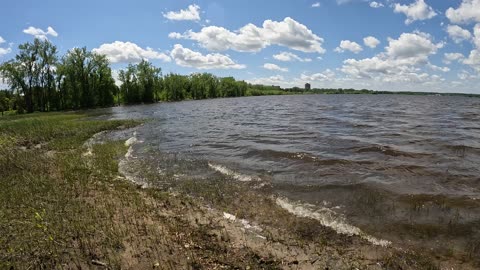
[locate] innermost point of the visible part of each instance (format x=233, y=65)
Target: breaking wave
x=328, y=218
x=237, y=176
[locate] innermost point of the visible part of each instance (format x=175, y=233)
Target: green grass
x=43, y=192
x=62, y=210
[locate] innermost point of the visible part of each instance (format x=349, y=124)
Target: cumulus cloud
x=371, y=42
x=417, y=11
x=251, y=38
x=289, y=57
x=4, y=51
x=414, y=46
x=473, y=58
x=327, y=75
x=187, y=58
x=278, y=80
x=476, y=36
x=401, y=61
x=458, y=34
x=437, y=68
x=316, y=5
x=376, y=4
x=271, y=66
x=467, y=12
x=347, y=45
x=39, y=33
x=448, y=58
x=192, y=13
x=128, y=52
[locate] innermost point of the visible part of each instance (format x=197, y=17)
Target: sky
x=392, y=45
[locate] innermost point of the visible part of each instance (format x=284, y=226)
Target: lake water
x=402, y=168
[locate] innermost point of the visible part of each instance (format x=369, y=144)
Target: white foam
x=245, y=223
x=328, y=218
x=237, y=176
x=123, y=166
x=131, y=141
x=90, y=142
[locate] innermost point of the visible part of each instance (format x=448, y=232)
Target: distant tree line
x=41, y=80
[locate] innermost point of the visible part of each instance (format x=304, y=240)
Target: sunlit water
x=404, y=168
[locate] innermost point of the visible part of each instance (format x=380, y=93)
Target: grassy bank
x=62, y=208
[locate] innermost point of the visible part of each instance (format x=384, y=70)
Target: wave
x=237, y=176
x=389, y=151
x=302, y=156
x=328, y=218
x=124, y=166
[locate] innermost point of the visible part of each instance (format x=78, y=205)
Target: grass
x=45, y=189
x=60, y=209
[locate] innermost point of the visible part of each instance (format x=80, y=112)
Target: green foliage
x=140, y=83
x=40, y=82
x=85, y=80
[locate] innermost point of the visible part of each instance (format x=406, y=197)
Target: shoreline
x=65, y=204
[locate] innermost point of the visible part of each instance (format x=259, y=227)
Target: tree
x=4, y=102
x=229, y=87
x=31, y=74
x=85, y=80
x=130, y=89
x=148, y=80
x=49, y=59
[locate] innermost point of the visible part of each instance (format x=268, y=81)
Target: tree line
x=41, y=80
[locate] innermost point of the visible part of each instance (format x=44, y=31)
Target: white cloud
x=128, y=52
x=327, y=75
x=473, y=59
x=414, y=46
x=417, y=11
x=467, y=12
x=347, y=45
x=316, y=5
x=437, y=68
x=458, y=34
x=251, y=38
x=39, y=33
x=376, y=4
x=277, y=80
x=271, y=66
x=187, y=58
x=448, y=58
x=371, y=42
x=4, y=51
x=401, y=61
x=192, y=13
x=175, y=35
x=476, y=36
x=288, y=57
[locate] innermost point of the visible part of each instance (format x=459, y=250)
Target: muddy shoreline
x=246, y=215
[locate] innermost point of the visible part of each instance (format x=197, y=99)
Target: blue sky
x=413, y=45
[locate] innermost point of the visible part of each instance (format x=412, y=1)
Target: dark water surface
x=403, y=168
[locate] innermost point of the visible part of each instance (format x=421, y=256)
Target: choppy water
x=390, y=164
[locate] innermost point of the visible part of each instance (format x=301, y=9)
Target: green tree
x=148, y=80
